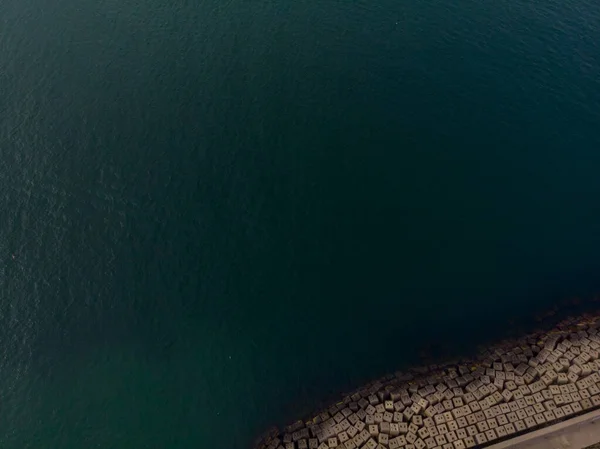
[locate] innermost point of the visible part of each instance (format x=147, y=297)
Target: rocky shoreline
x=508, y=389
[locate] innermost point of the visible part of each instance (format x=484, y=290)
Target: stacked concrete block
x=513, y=388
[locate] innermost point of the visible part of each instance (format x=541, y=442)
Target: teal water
x=215, y=214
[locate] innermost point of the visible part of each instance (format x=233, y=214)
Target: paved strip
x=576, y=433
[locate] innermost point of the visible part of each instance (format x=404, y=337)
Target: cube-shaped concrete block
x=423, y=433
x=462, y=433
x=472, y=431
x=480, y=438
x=411, y=437
x=441, y=440
x=491, y=435
x=469, y=442
x=419, y=444
x=383, y=438
x=370, y=444
x=530, y=422
x=430, y=443
x=451, y=437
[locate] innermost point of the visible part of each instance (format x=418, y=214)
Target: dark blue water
x=215, y=214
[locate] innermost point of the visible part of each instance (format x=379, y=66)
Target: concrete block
x=568, y=410
x=521, y=414
x=462, y=422
x=586, y=403
x=411, y=437
x=369, y=419
x=439, y=419
x=576, y=406
x=504, y=409
x=530, y=411
x=412, y=428
x=530, y=422
x=451, y=437
x=360, y=426
x=482, y=426
x=479, y=416
x=468, y=398
x=510, y=429
x=517, y=395
x=492, y=423
x=452, y=426
x=383, y=439
x=442, y=429
x=403, y=428
x=540, y=419
x=408, y=414
x=512, y=417
x=384, y=427
x=559, y=413
x=428, y=422
x=373, y=430
x=471, y=419
x=520, y=426
x=502, y=420
x=585, y=394
x=539, y=408
x=332, y=442
x=423, y=433
x=430, y=443
x=469, y=442
x=370, y=444
x=433, y=432
x=448, y=416
x=472, y=431
x=401, y=440
x=420, y=444
x=417, y=420
x=351, y=431
x=416, y=408
x=441, y=440
x=480, y=438
x=491, y=435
